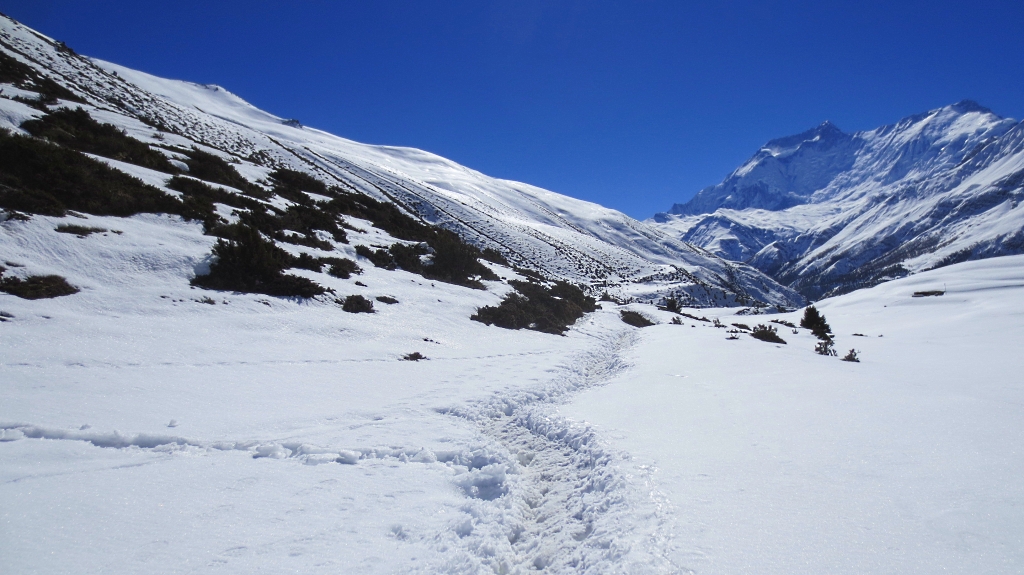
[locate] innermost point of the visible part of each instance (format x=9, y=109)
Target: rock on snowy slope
x=827, y=212
x=563, y=237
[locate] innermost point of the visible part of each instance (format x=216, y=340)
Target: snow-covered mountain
x=563, y=237
x=828, y=212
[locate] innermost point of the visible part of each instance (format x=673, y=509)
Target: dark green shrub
x=357, y=304
x=634, y=318
x=414, y=356
x=537, y=307
x=380, y=258
x=24, y=76
x=742, y=326
x=213, y=168
x=37, y=287
x=307, y=262
x=494, y=256
x=455, y=261
x=386, y=299
x=307, y=219
x=672, y=305
x=39, y=177
x=783, y=322
x=248, y=263
x=852, y=356
x=291, y=184
x=825, y=347
x=408, y=257
x=80, y=231
x=77, y=130
x=814, y=321
x=766, y=333
x=341, y=267
x=677, y=321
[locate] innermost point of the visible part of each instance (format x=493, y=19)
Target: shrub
x=291, y=184
x=672, y=305
x=538, y=307
x=742, y=326
x=77, y=130
x=37, y=287
x=408, y=257
x=814, y=321
x=307, y=219
x=307, y=262
x=494, y=256
x=357, y=304
x=80, y=231
x=213, y=168
x=783, y=322
x=635, y=319
x=39, y=177
x=414, y=356
x=24, y=76
x=380, y=258
x=248, y=263
x=455, y=261
x=852, y=356
x=341, y=267
x=677, y=321
x=386, y=299
x=825, y=347
x=766, y=333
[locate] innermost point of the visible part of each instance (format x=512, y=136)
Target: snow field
x=777, y=460
x=232, y=432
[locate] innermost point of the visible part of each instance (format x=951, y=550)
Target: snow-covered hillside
x=828, y=212
x=565, y=238
x=153, y=421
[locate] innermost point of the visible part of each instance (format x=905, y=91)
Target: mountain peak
x=823, y=131
x=965, y=106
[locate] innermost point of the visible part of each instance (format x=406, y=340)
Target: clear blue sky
x=634, y=105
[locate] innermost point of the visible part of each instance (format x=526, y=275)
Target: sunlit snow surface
x=146, y=431
x=147, y=427
x=777, y=460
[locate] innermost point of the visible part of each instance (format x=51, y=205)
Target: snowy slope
x=790, y=462
x=565, y=238
x=825, y=211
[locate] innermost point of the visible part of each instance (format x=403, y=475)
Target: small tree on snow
x=814, y=321
x=825, y=347
x=851, y=356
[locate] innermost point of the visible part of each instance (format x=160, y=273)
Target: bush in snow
x=635, y=319
x=77, y=130
x=414, y=356
x=249, y=263
x=36, y=287
x=538, y=307
x=341, y=267
x=851, y=356
x=677, y=321
x=386, y=299
x=814, y=321
x=766, y=333
x=357, y=304
x=825, y=347
x=39, y=177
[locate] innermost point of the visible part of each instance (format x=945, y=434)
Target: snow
x=932, y=189
x=777, y=460
x=147, y=426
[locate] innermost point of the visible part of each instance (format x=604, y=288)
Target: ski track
x=542, y=492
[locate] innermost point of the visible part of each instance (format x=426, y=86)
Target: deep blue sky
x=634, y=105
